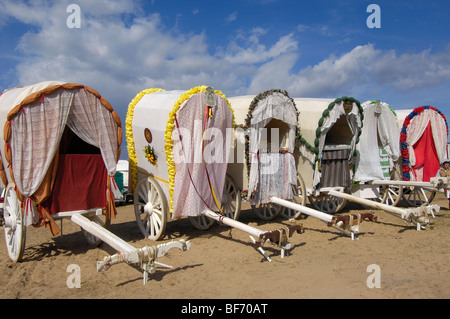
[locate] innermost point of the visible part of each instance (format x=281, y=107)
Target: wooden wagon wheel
x=390, y=194
x=15, y=233
x=103, y=220
x=327, y=204
x=299, y=192
x=267, y=211
x=417, y=196
x=231, y=198
x=201, y=222
x=150, y=208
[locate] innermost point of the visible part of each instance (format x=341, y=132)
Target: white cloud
x=254, y=51
x=120, y=58
x=232, y=17
x=361, y=71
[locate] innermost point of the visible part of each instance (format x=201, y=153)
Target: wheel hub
x=148, y=208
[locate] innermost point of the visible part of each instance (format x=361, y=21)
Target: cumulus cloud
x=362, y=70
x=119, y=51
x=119, y=57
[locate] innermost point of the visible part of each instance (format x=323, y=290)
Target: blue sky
x=310, y=48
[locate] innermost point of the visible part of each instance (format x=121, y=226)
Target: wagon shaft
x=349, y=220
x=143, y=257
x=279, y=236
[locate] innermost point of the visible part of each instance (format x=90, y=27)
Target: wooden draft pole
x=277, y=237
x=144, y=257
x=341, y=223
x=418, y=215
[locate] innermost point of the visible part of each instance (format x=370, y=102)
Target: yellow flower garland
x=168, y=134
x=129, y=134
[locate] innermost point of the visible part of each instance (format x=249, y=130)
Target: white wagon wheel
x=417, y=196
x=15, y=233
x=231, y=198
x=390, y=194
x=150, y=208
x=231, y=205
x=299, y=197
x=327, y=204
x=103, y=220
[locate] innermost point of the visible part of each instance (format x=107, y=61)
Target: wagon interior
x=280, y=129
x=336, y=153
x=81, y=176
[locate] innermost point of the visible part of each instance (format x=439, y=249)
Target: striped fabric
x=385, y=164
x=335, y=168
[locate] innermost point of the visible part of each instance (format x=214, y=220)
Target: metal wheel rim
x=150, y=208
x=14, y=225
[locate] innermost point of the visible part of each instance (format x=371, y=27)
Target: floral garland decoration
x=315, y=149
x=403, y=134
x=248, y=119
x=150, y=155
x=129, y=134
x=168, y=146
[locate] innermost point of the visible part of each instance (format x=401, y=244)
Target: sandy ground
x=222, y=262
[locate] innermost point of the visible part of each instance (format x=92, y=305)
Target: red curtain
x=81, y=183
x=426, y=155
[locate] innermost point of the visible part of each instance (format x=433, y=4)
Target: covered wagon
x=61, y=142
x=423, y=146
x=178, y=147
x=328, y=134
x=263, y=164
x=378, y=154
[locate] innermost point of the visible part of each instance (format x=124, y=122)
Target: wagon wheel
x=267, y=211
x=150, y=208
x=231, y=199
x=327, y=204
x=103, y=220
x=299, y=197
x=15, y=232
x=390, y=194
x=201, y=222
x=417, y=196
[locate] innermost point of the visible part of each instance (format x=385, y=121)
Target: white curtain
x=380, y=126
x=36, y=132
x=275, y=106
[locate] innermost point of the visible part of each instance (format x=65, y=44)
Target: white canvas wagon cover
x=35, y=118
x=329, y=132
x=269, y=162
x=182, y=139
x=379, y=145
